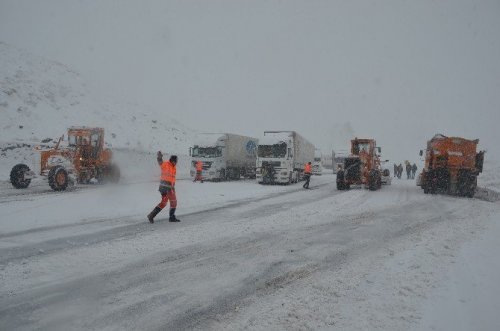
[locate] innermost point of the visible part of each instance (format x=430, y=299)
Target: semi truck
x=224, y=156
x=281, y=157
x=317, y=164
x=452, y=165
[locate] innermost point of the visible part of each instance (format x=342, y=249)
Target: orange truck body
x=86, y=153
x=362, y=167
x=84, y=160
x=452, y=165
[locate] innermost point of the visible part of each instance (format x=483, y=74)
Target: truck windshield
x=361, y=147
x=317, y=159
x=207, y=151
x=276, y=150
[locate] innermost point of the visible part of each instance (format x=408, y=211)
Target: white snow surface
x=244, y=257
x=247, y=256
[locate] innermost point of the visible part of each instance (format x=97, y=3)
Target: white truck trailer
x=224, y=156
x=281, y=157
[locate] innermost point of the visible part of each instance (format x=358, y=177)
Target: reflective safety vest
x=199, y=166
x=307, y=168
x=168, y=172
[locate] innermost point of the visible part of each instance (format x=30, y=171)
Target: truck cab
x=274, y=161
x=281, y=157
x=317, y=168
x=210, y=152
x=224, y=156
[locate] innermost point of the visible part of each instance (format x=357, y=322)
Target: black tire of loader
x=373, y=181
x=58, y=178
x=340, y=181
x=17, y=176
x=466, y=184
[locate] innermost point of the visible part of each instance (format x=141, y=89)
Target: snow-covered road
x=245, y=256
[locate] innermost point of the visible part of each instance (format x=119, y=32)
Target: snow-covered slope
x=40, y=99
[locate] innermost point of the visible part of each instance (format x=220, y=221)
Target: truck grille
x=271, y=163
x=205, y=164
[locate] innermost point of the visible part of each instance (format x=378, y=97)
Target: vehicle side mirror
x=421, y=152
x=379, y=149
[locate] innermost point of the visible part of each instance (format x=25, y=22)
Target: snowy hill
x=40, y=99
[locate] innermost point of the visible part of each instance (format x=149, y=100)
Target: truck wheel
x=340, y=181
x=58, y=178
x=372, y=181
x=17, y=176
x=471, y=188
x=426, y=188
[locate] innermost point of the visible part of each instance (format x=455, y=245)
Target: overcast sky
x=398, y=71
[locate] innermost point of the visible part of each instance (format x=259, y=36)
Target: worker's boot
x=172, y=216
x=152, y=214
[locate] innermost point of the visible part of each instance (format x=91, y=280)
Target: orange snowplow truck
x=361, y=167
x=83, y=159
x=451, y=166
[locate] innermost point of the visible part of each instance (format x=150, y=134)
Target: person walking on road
x=395, y=170
x=307, y=174
x=413, y=170
x=400, y=171
x=167, y=187
x=408, y=170
x=199, y=170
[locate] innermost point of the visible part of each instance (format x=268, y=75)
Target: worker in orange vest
x=199, y=169
x=307, y=174
x=167, y=187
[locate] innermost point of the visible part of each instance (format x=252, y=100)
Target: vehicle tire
x=471, y=188
x=372, y=181
x=17, y=176
x=340, y=181
x=58, y=178
x=425, y=187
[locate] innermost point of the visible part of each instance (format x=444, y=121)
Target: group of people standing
x=411, y=170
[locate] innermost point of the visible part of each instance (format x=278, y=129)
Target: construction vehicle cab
x=362, y=166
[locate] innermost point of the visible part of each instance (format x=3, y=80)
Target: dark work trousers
x=308, y=178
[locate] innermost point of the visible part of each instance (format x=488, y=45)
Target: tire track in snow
x=11, y=254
